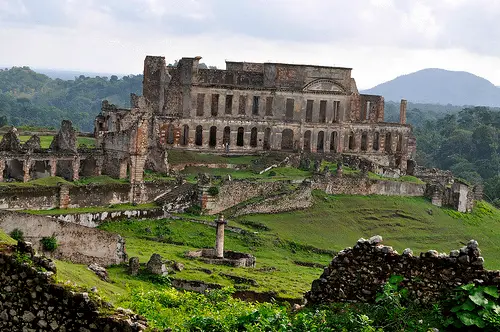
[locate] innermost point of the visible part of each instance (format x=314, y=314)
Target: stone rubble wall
x=362, y=185
x=357, y=274
x=296, y=200
x=78, y=244
x=31, y=301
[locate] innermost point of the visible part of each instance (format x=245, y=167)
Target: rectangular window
x=289, y=109
x=309, y=110
x=229, y=104
x=215, y=104
x=269, y=106
x=242, y=107
x=336, y=110
x=200, y=104
x=322, y=111
x=255, y=105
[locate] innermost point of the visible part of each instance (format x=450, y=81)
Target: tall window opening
x=364, y=142
x=199, y=136
x=309, y=110
x=336, y=110
x=215, y=105
x=333, y=142
x=253, y=137
x=320, y=144
x=229, y=104
x=242, y=107
x=200, y=104
x=185, y=135
x=269, y=106
x=307, y=141
x=255, y=105
x=322, y=111
x=388, y=142
x=239, y=138
x=289, y=109
x=212, y=142
x=226, y=137
x=267, y=139
x=287, y=139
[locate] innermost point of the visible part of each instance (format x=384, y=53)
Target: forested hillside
x=29, y=98
x=465, y=141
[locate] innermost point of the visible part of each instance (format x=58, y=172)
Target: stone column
x=26, y=169
x=402, y=111
x=76, y=168
x=219, y=241
x=99, y=163
x=53, y=166
x=2, y=168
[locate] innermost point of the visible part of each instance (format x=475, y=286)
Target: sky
x=379, y=39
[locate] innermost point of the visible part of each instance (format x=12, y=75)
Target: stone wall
x=96, y=218
x=289, y=201
x=362, y=185
x=77, y=244
x=31, y=301
x=235, y=192
x=357, y=274
x=42, y=197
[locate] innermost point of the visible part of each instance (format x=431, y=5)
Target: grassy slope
x=46, y=140
x=5, y=239
x=334, y=222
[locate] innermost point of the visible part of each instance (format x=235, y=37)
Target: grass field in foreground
x=280, y=240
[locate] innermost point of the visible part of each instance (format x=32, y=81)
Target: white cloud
x=380, y=39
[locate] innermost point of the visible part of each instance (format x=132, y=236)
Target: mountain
x=441, y=87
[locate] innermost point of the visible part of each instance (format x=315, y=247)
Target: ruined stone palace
x=248, y=108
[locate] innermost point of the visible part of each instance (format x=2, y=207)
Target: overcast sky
x=380, y=39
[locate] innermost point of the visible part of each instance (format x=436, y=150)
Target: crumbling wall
x=362, y=185
x=301, y=198
x=358, y=273
x=32, y=301
x=235, y=192
x=20, y=198
x=77, y=244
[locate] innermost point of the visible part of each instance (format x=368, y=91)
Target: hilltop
x=439, y=86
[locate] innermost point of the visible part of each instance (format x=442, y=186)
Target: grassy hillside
x=283, y=242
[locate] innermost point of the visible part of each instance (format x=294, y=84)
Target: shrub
x=194, y=210
x=49, y=243
x=17, y=234
x=272, y=173
x=213, y=191
x=475, y=306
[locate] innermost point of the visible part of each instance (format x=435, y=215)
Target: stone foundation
x=231, y=258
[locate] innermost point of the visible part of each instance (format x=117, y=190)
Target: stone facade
x=30, y=300
x=99, y=246
x=358, y=273
x=249, y=108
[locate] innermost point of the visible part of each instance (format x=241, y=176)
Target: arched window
x=388, y=142
x=226, y=137
x=287, y=139
x=185, y=135
x=364, y=141
x=307, y=141
x=267, y=139
x=376, y=139
x=320, y=144
x=239, y=138
x=333, y=141
x=199, y=136
x=170, y=134
x=212, y=142
x=352, y=141
x=253, y=137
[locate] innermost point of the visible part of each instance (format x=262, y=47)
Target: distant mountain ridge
x=439, y=86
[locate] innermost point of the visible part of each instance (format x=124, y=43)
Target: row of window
x=289, y=107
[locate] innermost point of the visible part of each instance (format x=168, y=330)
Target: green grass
x=181, y=157
x=51, y=181
x=278, y=240
x=46, y=140
x=405, y=178
x=101, y=179
x=5, y=239
x=282, y=173
x=94, y=209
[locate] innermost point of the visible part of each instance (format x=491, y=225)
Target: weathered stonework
x=358, y=273
x=30, y=300
x=248, y=108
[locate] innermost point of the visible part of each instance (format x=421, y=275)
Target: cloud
x=379, y=38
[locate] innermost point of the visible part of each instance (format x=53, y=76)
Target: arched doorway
x=320, y=144
x=239, y=137
x=307, y=141
x=212, y=142
x=287, y=139
x=199, y=136
x=376, y=139
x=185, y=135
x=364, y=142
x=388, y=142
x=253, y=137
x=333, y=141
x=267, y=139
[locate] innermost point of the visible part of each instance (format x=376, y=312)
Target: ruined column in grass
x=219, y=237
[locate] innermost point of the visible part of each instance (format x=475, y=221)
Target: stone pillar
x=26, y=170
x=357, y=141
x=402, y=111
x=64, y=198
x=123, y=169
x=381, y=142
x=76, y=168
x=53, y=166
x=98, y=164
x=2, y=168
x=219, y=238
x=437, y=198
